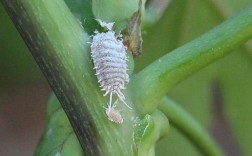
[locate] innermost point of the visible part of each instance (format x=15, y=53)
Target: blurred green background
x=219, y=96
x=23, y=93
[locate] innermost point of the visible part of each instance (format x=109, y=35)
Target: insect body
x=110, y=63
x=114, y=115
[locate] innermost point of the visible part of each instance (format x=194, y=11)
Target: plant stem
x=153, y=82
x=55, y=39
x=185, y=123
x=59, y=45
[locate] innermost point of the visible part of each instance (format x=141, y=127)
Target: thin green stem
x=153, y=82
x=185, y=123
x=175, y=12
x=222, y=11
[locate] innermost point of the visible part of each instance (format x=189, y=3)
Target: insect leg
x=122, y=99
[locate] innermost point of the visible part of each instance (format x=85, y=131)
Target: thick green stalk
x=153, y=82
x=185, y=123
x=59, y=45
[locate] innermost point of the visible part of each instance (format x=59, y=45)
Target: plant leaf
x=59, y=137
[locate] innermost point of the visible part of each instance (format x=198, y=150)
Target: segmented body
x=110, y=62
x=114, y=115
x=109, y=59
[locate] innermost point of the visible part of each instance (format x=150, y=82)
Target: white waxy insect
x=110, y=62
x=114, y=115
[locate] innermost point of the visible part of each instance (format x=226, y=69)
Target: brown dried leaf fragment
x=132, y=36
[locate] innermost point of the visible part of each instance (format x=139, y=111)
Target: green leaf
x=58, y=137
x=148, y=131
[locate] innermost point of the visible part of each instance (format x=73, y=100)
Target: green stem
x=185, y=123
x=55, y=39
x=153, y=82
x=176, y=12
x=59, y=45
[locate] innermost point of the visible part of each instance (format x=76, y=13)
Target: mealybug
x=113, y=114
x=110, y=62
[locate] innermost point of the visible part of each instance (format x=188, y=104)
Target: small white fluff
x=57, y=154
x=114, y=115
x=110, y=62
